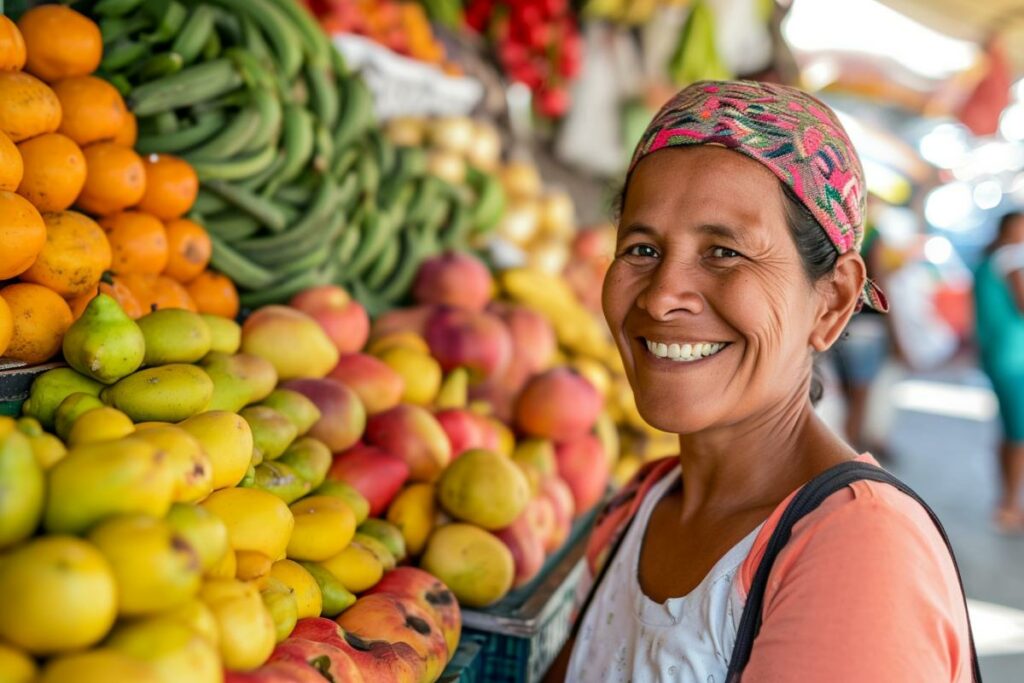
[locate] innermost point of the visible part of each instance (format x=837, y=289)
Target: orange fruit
x=171, y=186
x=12, y=168
x=214, y=293
x=40, y=318
x=128, y=134
x=12, y=46
x=75, y=256
x=168, y=293
x=60, y=42
x=54, y=171
x=188, y=247
x=110, y=285
x=92, y=109
x=115, y=179
x=141, y=286
x=28, y=107
x=138, y=242
x=22, y=234
x=6, y=326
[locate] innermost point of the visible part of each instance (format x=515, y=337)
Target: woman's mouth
x=685, y=352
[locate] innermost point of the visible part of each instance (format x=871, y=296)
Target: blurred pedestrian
x=999, y=320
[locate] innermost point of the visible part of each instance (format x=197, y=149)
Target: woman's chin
x=670, y=417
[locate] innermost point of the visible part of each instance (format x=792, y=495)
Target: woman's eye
x=724, y=252
x=642, y=250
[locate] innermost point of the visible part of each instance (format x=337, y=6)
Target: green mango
x=335, y=597
x=99, y=480
x=272, y=432
x=225, y=334
x=22, y=485
x=387, y=533
x=238, y=380
x=174, y=335
x=281, y=480
x=169, y=393
x=379, y=550
x=348, y=493
x=104, y=343
x=310, y=458
x=52, y=387
x=70, y=409
x=295, y=406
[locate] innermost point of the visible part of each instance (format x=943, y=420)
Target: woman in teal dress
x=999, y=305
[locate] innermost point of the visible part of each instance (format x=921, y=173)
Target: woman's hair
x=817, y=253
x=1004, y=226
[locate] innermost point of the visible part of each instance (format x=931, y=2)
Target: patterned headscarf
x=791, y=133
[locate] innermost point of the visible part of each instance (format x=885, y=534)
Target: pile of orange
x=80, y=210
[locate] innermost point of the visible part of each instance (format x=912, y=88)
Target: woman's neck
x=758, y=462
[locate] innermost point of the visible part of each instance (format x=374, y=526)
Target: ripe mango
x=474, y=564
x=98, y=425
x=98, y=480
x=191, y=466
x=412, y=512
x=227, y=440
x=174, y=335
x=484, y=488
x=256, y=520
x=291, y=340
x=21, y=485
x=247, y=633
x=348, y=493
x=52, y=387
x=71, y=408
x=281, y=603
x=104, y=343
x=169, y=393
x=176, y=651
x=202, y=530
x=100, y=665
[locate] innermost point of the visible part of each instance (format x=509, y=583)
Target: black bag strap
x=806, y=500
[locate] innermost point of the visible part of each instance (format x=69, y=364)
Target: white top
x=627, y=637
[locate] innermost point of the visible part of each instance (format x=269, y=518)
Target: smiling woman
x=736, y=262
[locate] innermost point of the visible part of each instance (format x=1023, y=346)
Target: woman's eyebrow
x=638, y=228
x=718, y=230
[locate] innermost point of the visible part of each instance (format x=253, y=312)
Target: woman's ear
x=839, y=296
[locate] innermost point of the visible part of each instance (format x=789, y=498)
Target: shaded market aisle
x=943, y=442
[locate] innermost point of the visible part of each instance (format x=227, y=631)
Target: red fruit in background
x=560, y=495
x=343, y=318
x=411, y=319
x=376, y=474
x=396, y=619
x=466, y=429
x=325, y=659
x=540, y=515
x=478, y=341
x=378, y=386
x=582, y=465
x=454, y=278
x=413, y=434
x=430, y=594
x=533, y=339
x=553, y=102
x=377, y=660
x=558, y=404
x=280, y=672
x=526, y=546
x=342, y=415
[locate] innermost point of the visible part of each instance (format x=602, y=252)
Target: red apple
x=377, y=660
x=396, y=619
x=479, y=341
x=454, y=278
x=413, y=434
x=560, y=496
x=526, y=546
x=343, y=318
x=558, y=404
x=378, y=386
x=342, y=415
x=376, y=474
x=326, y=659
x=540, y=513
x=583, y=465
x=413, y=319
x=281, y=672
x=430, y=593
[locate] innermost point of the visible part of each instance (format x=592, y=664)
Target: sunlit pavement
x=942, y=442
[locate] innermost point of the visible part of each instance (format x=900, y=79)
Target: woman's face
x=707, y=298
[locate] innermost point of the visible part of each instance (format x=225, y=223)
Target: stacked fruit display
x=66, y=140
x=537, y=43
x=299, y=187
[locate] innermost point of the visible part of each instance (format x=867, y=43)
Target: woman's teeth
x=684, y=352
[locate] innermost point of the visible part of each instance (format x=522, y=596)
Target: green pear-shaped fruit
x=169, y=393
x=104, y=343
x=52, y=387
x=295, y=406
x=238, y=380
x=225, y=333
x=174, y=335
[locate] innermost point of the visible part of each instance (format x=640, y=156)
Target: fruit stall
x=288, y=391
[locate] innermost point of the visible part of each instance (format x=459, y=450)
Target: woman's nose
x=672, y=290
